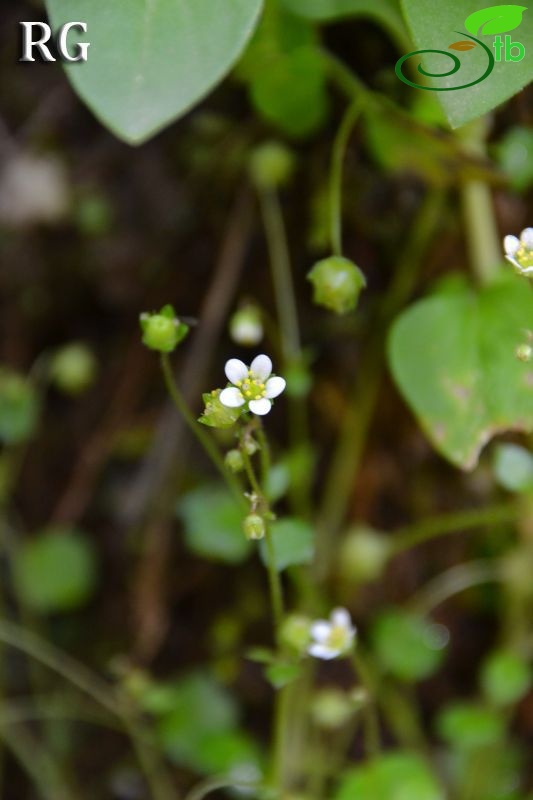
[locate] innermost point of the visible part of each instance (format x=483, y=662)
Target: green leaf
x=470, y=726
x=434, y=26
x=150, y=62
x=393, y=776
x=19, y=407
x=213, y=525
x=55, y=570
x=453, y=358
x=281, y=673
x=513, y=467
x=292, y=540
x=495, y=19
x=407, y=646
x=506, y=677
x=384, y=12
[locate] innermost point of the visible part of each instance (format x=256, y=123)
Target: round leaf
x=150, y=62
x=292, y=540
x=469, y=726
x=407, y=646
x=213, y=525
x=394, y=776
x=505, y=677
x=55, y=570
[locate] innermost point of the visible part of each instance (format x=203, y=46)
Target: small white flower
x=252, y=385
x=519, y=251
x=333, y=637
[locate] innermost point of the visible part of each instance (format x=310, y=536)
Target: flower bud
x=524, y=352
x=163, y=331
x=73, y=368
x=246, y=327
x=337, y=284
x=295, y=633
x=271, y=165
x=331, y=708
x=234, y=460
x=363, y=555
x=254, y=526
x=250, y=446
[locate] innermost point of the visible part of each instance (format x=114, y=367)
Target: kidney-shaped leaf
x=435, y=25
x=453, y=358
x=151, y=61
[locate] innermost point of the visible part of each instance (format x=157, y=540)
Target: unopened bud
x=524, y=352
x=363, y=554
x=271, y=165
x=337, y=284
x=162, y=331
x=295, y=633
x=73, y=368
x=254, y=526
x=246, y=327
x=234, y=460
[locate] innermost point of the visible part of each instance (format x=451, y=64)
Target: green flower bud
x=163, y=331
x=295, y=633
x=331, y=708
x=363, y=555
x=73, y=368
x=217, y=415
x=337, y=284
x=246, y=327
x=524, y=352
x=250, y=445
x=271, y=165
x=254, y=526
x=234, y=460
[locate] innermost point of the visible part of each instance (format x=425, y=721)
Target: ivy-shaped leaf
x=149, y=62
x=495, y=19
x=453, y=357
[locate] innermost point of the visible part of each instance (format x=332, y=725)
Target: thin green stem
x=453, y=581
x=281, y=274
x=337, y=160
x=372, y=733
x=480, y=221
x=455, y=522
x=203, y=438
x=264, y=454
x=282, y=722
x=83, y=679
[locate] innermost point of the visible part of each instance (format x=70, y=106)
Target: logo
x=492, y=21
x=37, y=35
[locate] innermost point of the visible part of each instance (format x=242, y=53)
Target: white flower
x=333, y=637
x=252, y=386
x=519, y=251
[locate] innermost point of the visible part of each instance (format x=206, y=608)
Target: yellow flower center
x=252, y=388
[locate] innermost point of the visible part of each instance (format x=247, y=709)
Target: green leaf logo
x=495, y=19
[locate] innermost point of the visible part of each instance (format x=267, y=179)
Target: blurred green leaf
x=470, y=726
x=55, y=570
x=513, y=467
x=514, y=153
x=292, y=539
x=19, y=407
x=453, y=358
x=163, y=57
x=385, y=12
x=213, y=525
x=494, y=19
x=407, y=646
x=506, y=677
x=434, y=26
x=281, y=673
x=393, y=776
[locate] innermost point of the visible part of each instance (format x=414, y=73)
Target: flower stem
x=433, y=527
x=205, y=440
x=371, y=733
x=337, y=160
x=281, y=274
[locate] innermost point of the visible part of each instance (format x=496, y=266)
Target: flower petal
x=321, y=651
x=511, y=244
x=526, y=237
x=261, y=367
x=231, y=397
x=274, y=386
x=320, y=630
x=236, y=370
x=341, y=618
x=260, y=407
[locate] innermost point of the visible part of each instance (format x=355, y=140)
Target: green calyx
x=337, y=284
x=162, y=331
